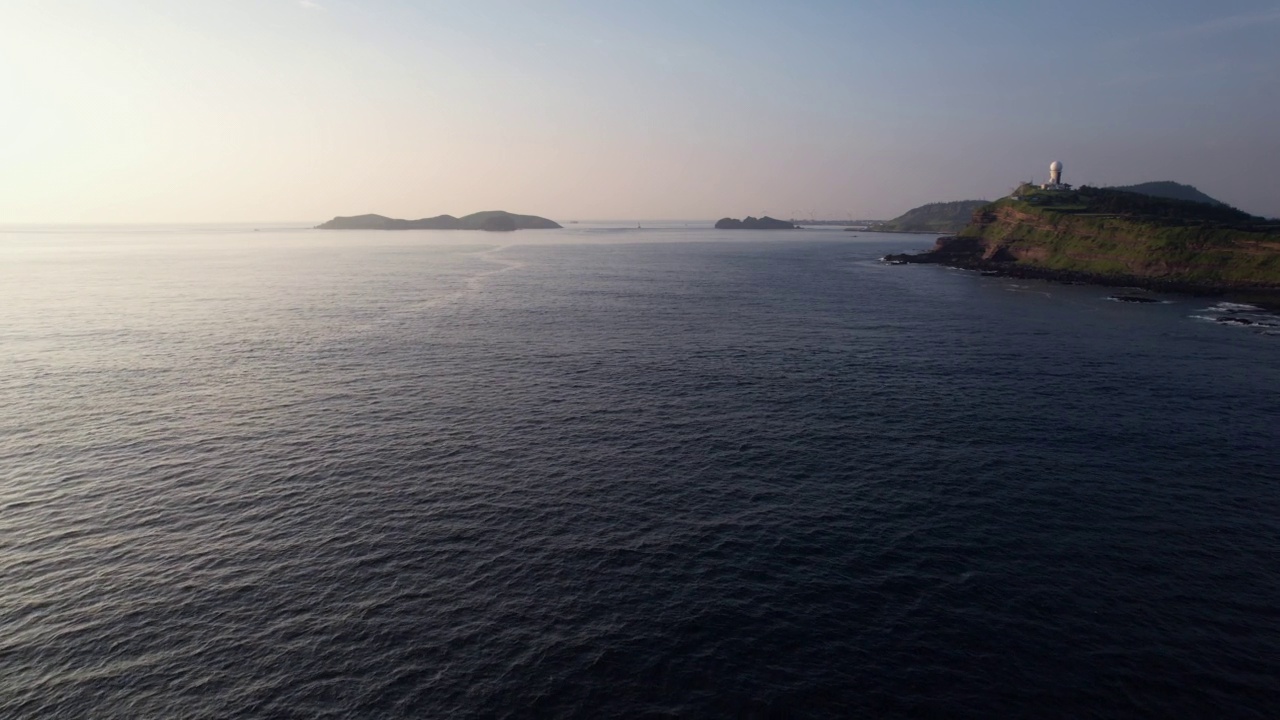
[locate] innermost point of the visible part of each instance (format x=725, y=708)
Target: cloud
x=310, y=4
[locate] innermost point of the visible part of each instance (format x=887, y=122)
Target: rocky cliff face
x=1066, y=237
x=1118, y=245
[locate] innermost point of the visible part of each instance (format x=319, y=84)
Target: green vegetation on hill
x=1112, y=233
x=1123, y=203
x=942, y=217
x=1170, y=189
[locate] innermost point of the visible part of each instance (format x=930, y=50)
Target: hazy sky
x=258, y=110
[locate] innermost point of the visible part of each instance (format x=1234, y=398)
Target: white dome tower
x=1055, y=173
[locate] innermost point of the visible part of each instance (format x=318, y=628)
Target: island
x=1109, y=236
x=753, y=223
x=492, y=220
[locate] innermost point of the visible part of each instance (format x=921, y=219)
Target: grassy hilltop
x=941, y=217
x=1114, y=232
x=1116, y=237
x=1170, y=189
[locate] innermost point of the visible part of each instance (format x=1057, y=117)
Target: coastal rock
x=753, y=223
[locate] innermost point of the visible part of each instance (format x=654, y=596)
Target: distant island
x=753, y=223
x=1116, y=237
x=492, y=220
x=940, y=217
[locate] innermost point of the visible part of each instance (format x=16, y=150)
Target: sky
x=299, y=110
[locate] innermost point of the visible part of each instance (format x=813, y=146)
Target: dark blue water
x=603, y=473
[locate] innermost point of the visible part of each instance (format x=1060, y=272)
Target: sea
x=608, y=471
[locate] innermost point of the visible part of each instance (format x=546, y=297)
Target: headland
x=1113, y=237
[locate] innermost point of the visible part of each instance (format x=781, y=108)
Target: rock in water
x=752, y=223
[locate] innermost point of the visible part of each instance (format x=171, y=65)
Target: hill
x=1109, y=236
x=1170, y=189
x=941, y=217
x=488, y=220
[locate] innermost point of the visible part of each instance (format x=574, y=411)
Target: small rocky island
x=752, y=223
x=492, y=220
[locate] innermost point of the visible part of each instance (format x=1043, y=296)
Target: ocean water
x=609, y=472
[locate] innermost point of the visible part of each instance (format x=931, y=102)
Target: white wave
x=1239, y=321
x=1137, y=300
x=1232, y=307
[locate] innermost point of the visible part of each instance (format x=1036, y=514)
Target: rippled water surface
x=620, y=473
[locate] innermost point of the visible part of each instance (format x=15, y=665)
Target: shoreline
x=939, y=233
x=1267, y=298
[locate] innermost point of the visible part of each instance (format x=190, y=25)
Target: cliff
x=751, y=223
x=942, y=217
x=494, y=220
x=1113, y=237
